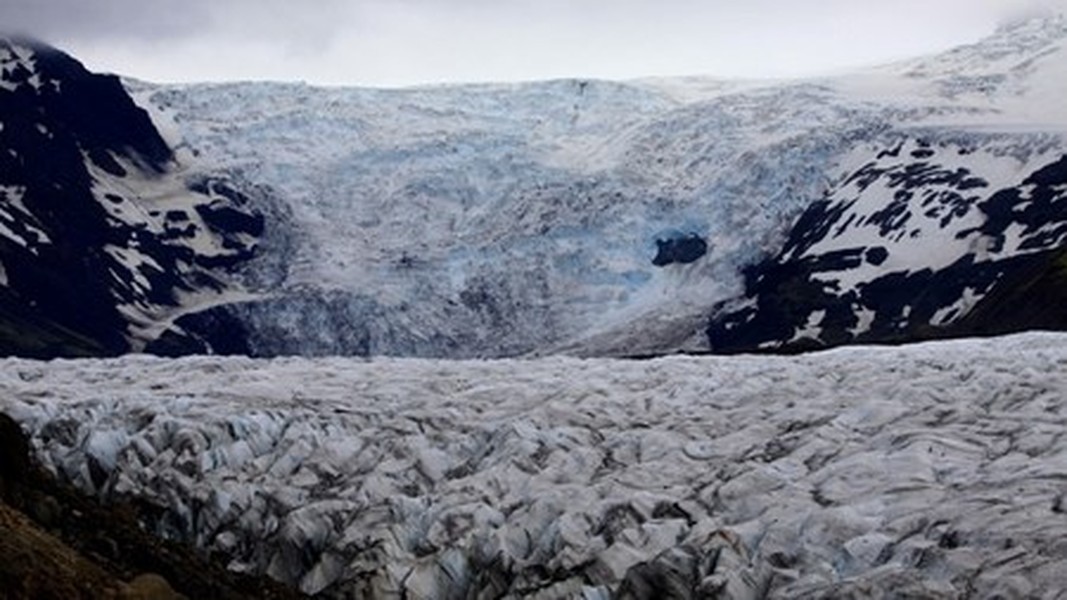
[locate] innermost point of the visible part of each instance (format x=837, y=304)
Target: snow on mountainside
x=933, y=228
x=102, y=237
x=585, y=217
x=910, y=241
x=933, y=471
x=607, y=218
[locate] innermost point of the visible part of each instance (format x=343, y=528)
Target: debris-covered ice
x=934, y=470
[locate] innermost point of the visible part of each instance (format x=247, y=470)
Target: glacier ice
x=930, y=469
x=499, y=220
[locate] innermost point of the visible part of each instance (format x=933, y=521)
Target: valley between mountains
x=385, y=343
x=916, y=200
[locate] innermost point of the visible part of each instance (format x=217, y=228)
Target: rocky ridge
x=103, y=237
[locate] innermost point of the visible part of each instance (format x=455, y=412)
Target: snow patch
x=134, y=262
x=959, y=309
x=14, y=212
x=929, y=232
x=865, y=318
x=13, y=57
x=812, y=330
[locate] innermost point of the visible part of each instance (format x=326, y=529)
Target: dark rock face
x=213, y=331
x=1033, y=298
x=15, y=452
x=225, y=215
x=94, y=109
x=932, y=252
x=50, y=118
x=81, y=262
x=682, y=250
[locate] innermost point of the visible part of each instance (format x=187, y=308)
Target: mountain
x=101, y=233
x=937, y=231
x=916, y=243
x=918, y=199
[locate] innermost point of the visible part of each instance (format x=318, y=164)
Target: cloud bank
x=409, y=41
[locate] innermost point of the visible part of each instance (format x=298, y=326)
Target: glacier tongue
x=931, y=470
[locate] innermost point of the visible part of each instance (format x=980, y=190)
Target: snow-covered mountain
x=918, y=199
x=921, y=241
x=598, y=218
x=103, y=236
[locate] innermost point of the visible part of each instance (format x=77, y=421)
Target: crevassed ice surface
x=536, y=206
x=502, y=219
x=936, y=470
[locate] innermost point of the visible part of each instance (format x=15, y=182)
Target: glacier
x=584, y=217
x=499, y=220
x=933, y=470
x=503, y=220
x=538, y=223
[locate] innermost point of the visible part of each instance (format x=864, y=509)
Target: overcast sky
x=402, y=42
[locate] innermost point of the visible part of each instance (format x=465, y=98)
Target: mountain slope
x=530, y=218
x=585, y=217
x=909, y=245
x=99, y=235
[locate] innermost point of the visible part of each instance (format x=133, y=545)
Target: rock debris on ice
x=935, y=470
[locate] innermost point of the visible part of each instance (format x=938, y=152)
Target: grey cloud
x=409, y=41
x=104, y=19
x=320, y=20
x=165, y=20
x=1015, y=10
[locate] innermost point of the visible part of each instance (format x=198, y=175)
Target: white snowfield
x=935, y=470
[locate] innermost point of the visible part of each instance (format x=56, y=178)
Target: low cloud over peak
x=391, y=42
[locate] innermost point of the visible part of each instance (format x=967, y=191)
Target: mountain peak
x=23, y=48
x=1008, y=51
x=1027, y=34
x=95, y=228
x=1031, y=21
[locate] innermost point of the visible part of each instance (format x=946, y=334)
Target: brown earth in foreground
x=57, y=543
